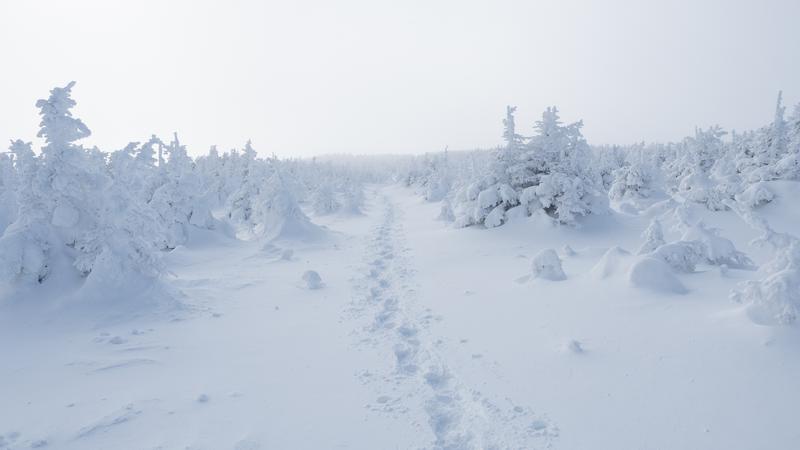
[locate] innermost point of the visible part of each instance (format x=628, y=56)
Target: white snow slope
x=420, y=336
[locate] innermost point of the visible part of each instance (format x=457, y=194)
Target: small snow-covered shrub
x=682, y=256
x=774, y=299
x=446, y=212
x=496, y=217
x=277, y=214
x=653, y=238
x=756, y=194
x=632, y=181
x=717, y=250
x=546, y=264
x=323, y=200
x=312, y=280
x=9, y=184
x=353, y=197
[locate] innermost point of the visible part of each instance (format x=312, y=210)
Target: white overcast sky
x=311, y=77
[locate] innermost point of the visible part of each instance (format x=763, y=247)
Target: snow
x=272, y=362
x=153, y=300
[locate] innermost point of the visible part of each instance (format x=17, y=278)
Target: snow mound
x=682, y=256
x=610, y=263
x=294, y=226
x=312, y=280
x=547, y=265
x=573, y=346
x=655, y=274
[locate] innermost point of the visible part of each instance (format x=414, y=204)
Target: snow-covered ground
x=420, y=336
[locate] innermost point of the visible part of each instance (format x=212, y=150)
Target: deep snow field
x=421, y=336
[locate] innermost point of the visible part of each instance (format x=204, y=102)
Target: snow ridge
x=458, y=416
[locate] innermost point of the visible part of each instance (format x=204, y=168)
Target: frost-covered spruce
x=756, y=194
x=277, y=213
x=181, y=201
x=61, y=209
x=634, y=180
x=67, y=206
x=8, y=187
x=774, y=299
x=551, y=171
x=653, y=238
x=682, y=256
x=323, y=200
x=717, y=250
x=352, y=197
x=546, y=264
x=438, y=182
x=240, y=205
x=446, y=212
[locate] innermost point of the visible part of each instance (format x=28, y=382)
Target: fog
x=310, y=77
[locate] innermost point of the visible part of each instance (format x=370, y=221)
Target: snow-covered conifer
x=653, y=238
x=323, y=200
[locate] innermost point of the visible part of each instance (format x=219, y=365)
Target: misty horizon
x=312, y=78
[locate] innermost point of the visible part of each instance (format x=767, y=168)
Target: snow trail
x=421, y=381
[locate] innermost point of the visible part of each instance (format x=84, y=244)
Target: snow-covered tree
x=8, y=190
x=323, y=199
x=277, y=212
x=352, y=196
x=551, y=171
x=653, y=238
x=557, y=161
x=636, y=179
x=66, y=204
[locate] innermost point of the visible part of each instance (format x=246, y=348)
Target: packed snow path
x=420, y=336
x=458, y=416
